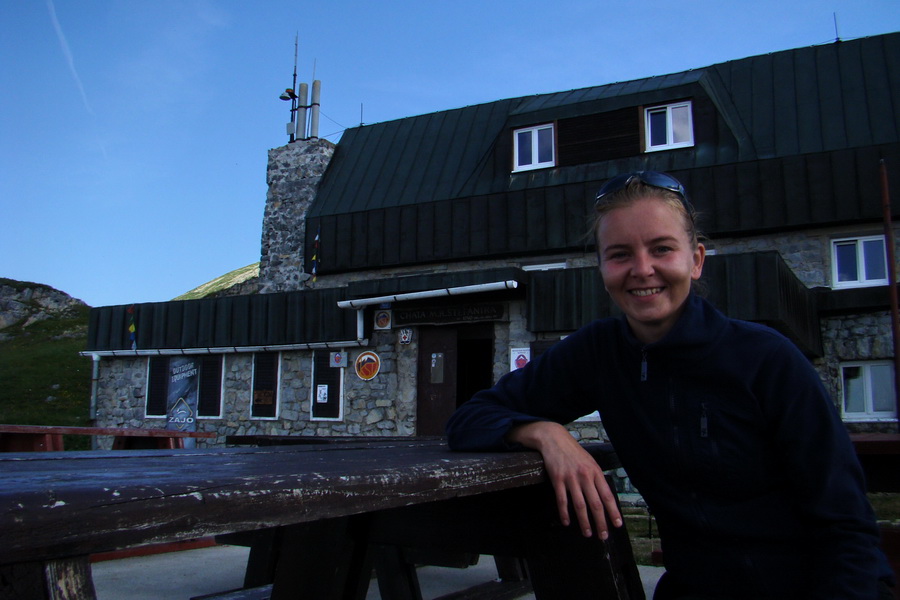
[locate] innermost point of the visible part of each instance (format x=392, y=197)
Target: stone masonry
x=293, y=174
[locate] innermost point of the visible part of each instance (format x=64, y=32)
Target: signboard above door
x=448, y=315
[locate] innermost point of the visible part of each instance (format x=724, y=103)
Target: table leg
x=520, y=522
x=61, y=579
x=324, y=560
x=397, y=577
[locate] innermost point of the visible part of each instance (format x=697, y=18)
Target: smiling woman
x=723, y=426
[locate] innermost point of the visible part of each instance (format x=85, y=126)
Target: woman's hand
x=574, y=474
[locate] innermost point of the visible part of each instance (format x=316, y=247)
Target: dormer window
x=533, y=148
x=668, y=127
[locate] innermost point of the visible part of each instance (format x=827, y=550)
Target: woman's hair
x=636, y=190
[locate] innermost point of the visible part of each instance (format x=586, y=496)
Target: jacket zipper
x=643, y=364
x=704, y=421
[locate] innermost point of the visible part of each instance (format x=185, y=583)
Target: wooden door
x=436, y=390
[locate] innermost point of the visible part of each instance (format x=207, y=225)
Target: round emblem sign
x=367, y=365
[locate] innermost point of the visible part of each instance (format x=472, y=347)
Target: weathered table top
x=55, y=504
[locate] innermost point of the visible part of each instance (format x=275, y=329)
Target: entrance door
x=454, y=363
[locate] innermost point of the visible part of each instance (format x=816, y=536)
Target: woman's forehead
x=646, y=213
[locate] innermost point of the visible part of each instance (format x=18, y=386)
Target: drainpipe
x=95, y=385
x=892, y=283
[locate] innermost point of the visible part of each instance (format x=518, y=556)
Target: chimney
x=314, y=108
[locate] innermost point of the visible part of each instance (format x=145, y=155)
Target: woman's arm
x=574, y=474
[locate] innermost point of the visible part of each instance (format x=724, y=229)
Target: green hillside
x=236, y=277
x=43, y=379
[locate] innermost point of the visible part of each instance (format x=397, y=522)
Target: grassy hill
x=219, y=284
x=43, y=379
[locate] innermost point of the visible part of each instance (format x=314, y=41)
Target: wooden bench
x=336, y=511
x=49, y=438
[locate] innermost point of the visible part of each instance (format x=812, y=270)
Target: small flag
x=132, y=330
x=315, y=257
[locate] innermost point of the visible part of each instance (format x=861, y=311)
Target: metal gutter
x=362, y=303
x=224, y=349
x=454, y=291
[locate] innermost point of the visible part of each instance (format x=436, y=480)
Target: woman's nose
x=642, y=266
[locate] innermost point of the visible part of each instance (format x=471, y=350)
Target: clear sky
x=134, y=134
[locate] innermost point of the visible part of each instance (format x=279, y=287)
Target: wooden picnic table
x=339, y=508
x=49, y=438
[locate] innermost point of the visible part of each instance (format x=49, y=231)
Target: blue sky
x=134, y=134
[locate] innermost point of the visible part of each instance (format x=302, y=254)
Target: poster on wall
x=328, y=376
x=518, y=358
x=181, y=403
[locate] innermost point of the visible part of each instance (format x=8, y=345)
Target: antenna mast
x=293, y=124
x=291, y=94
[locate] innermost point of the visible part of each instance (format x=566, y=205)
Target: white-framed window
x=668, y=126
x=868, y=391
x=265, y=385
x=533, y=148
x=326, y=402
x=205, y=384
x=858, y=262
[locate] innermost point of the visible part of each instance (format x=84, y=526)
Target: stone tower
x=293, y=176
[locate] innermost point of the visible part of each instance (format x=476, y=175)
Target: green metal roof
x=817, y=99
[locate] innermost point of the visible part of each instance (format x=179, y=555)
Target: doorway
x=454, y=362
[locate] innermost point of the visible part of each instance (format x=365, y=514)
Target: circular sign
x=367, y=365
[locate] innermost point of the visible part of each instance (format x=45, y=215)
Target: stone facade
x=293, y=174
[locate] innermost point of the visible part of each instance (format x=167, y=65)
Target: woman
x=722, y=425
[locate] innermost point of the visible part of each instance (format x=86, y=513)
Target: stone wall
x=293, y=174
x=852, y=338
x=807, y=253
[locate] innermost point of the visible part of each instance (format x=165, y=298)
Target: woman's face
x=648, y=262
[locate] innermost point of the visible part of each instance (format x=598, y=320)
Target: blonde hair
x=637, y=190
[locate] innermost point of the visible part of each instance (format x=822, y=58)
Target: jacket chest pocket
x=715, y=447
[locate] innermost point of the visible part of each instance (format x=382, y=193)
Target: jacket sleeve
x=825, y=476
x=553, y=387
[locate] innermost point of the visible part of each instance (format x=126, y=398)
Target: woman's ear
x=699, y=257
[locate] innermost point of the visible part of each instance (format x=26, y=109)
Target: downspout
x=892, y=283
x=95, y=386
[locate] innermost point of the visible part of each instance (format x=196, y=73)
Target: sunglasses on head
x=652, y=178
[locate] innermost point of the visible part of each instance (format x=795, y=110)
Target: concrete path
x=190, y=573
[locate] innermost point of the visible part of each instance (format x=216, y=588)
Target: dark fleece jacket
x=727, y=432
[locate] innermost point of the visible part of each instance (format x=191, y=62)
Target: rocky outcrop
x=22, y=304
